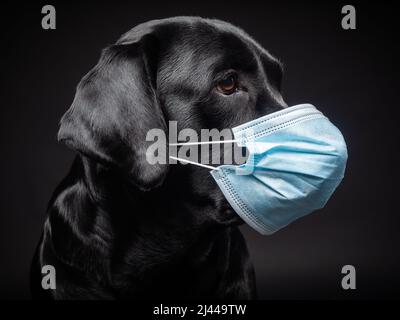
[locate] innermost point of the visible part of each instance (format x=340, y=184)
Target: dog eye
x=228, y=85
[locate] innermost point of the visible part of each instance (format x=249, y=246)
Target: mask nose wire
x=198, y=143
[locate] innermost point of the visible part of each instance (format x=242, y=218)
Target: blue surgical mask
x=297, y=158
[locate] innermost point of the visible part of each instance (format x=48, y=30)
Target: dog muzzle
x=297, y=158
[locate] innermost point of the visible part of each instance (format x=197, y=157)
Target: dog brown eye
x=227, y=85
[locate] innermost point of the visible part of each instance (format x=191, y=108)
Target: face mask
x=297, y=158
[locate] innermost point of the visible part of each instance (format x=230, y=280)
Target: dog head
x=201, y=73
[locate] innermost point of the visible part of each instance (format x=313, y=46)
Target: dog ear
x=274, y=70
x=114, y=107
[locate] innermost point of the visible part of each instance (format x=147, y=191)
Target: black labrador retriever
x=120, y=228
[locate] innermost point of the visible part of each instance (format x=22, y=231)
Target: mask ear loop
x=195, y=163
x=201, y=142
x=194, y=144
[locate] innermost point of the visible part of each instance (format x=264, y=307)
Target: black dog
x=120, y=228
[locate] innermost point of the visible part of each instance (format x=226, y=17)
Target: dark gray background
x=349, y=75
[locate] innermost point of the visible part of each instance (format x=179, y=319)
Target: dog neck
x=177, y=214
x=97, y=213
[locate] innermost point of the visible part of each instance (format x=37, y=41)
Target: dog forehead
x=202, y=49
x=208, y=37
x=186, y=39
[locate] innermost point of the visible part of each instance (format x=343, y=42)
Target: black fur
x=120, y=228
